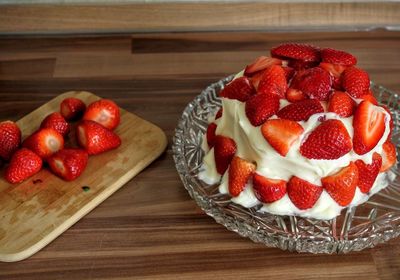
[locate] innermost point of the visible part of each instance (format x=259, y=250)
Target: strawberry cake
x=299, y=133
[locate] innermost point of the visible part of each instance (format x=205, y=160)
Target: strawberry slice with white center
x=240, y=171
x=369, y=127
x=104, y=112
x=44, y=142
x=261, y=63
x=388, y=156
x=295, y=95
x=268, y=190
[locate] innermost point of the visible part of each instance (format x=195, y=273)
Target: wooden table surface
x=151, y=228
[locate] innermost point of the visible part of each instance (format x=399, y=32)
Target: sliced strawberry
x=341, y=186
x=211, y=134
x=355, y=81
x=314, y=82
x=391, y=122
x=303, y=194
x=240, y=89
x=301, y=64
x=224, y=150
x=336, y=71
x=301, y=111
x=95, y=138
x=268, y=190
x=289, y=73
x=104, y=112
x=342, y=104
x=369, y=126
x=273, y=81
x=371, y=98
x=260, y=107
x=72, y=108
x=295, y=95
x=296, y=51
x=10, y=139
x=68, y=164
x=281, y=134
x=388, y=156
x=219, y=114
x=261, y=63
x=329, y=140
x=44, y=142
x=367, y=173
x=338, y=57
x=24, y=164
x=256, y=78
x=57, y=122
x=240, y=171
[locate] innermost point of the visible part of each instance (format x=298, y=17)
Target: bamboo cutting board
x=35, y=212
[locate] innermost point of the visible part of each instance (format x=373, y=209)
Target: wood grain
x=151, y=228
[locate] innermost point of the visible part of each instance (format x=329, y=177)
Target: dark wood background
x=151, y=228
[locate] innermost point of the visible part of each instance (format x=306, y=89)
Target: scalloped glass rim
x=357, y=228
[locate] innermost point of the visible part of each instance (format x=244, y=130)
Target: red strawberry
x=273, y=81
x=281, y=134
x=268, y=190
x=391, y=122
x=388, y=156
x=314, y=82
x=329, y=140
x=303, y=194
x=370, y=98
x=261, y=63
x=260, y=107
x=72, y=108
x=224, y=150
x=296, y=51
x=355, y=81
x=24, y=164
x=95, y=138
x=342, y=104
x=44, y=142
x=300, y=65
x=104, y=112
x=240, y=89
x=301, y=111
x=10, y=139
x=240, y=172
x=289, y=72
x=68, y=164
x=336, y=71
x=369, y=126
x=342, y=185
x=295, y=95
x=211, y=134
x=57, y=122
x=219, y=114
x=338, y=57
x=256, y=78
x=367, y=173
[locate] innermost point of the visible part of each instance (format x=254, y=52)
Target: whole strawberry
x=72, y=108
x=57, y=122
x=104, y=112
x=10, y=139
x=24, y=164
x=68, y=163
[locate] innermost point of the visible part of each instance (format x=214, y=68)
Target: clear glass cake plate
x=357, y=228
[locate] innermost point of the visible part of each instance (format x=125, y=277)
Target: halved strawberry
x=314, y=82
x=301, y=111
x=95, y=138
x=289, y=72
x=261, y=63
x=24, y=164
x=336, y=71
x=370, y=97
x=329, y=140
x=211, y=134
x=342, y=104
x=355, y=81
x=268, y=190
x=303, y=194
x=57, y=122
x=72, y=108
x=391, y=122
x=367, y=173
x=338, y=57
x=104, y=112
x=369, y=126
x=224, y=150
x=10, y=139
x=256, y=78
x=281, y=134
x=388, y=156
x=297, y=51
x=295, y=95
x=341, y=186
x=240, y=171
x=68, y=163
x=240, y=89
x=273, y=81
x=301, y=64
x=260, y=107
x=219, y=114
x=44, y=142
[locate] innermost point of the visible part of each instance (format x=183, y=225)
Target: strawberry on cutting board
x=303, y=194
x=240, y=171
x=367, y=173
x=68, y=164
x=57, y=122
x=72, y=108
x=24, y=164
x=240, y=89
x=104, y=112
x=44, y=142
x=10, y=139
x=224, y=150
x=268, y=190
